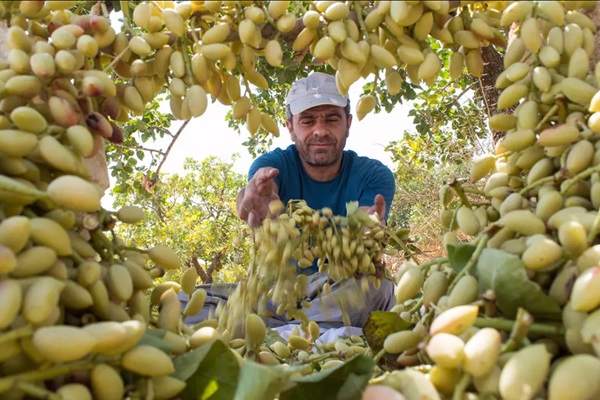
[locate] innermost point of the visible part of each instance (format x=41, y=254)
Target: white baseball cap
x=315, y=90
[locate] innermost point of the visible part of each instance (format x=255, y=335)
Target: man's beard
x=321, y=158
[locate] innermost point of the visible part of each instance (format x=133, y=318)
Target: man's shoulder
x=363, y=161
x=280, y=152
x=276, y=158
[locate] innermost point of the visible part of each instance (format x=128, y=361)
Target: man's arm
x=253, y=200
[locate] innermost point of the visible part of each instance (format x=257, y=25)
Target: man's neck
x=323, y=174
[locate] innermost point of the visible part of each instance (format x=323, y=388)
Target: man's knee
x=387, y=287
x=382, y=298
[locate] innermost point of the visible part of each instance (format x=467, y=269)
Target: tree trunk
x=594, y=15
x=493, y=66
x=206, y=275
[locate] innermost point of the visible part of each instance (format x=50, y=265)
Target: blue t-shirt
x=360, y=179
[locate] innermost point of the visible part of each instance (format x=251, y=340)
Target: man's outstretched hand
x=253, y=201
x=378, y=207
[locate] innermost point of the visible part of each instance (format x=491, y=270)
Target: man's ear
x=349, y=124
x=290, y=128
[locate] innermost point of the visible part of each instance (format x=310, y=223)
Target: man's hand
x=253, y=201
x=378, y=207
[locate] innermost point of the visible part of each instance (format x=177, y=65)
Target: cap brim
x=309, y=101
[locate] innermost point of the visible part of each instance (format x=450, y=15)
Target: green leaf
x=504, y=273
x=156, y=332
x=400, y=234
x=211, y=372
x=379, y=325
x=459, y=255
x=153, y=337
x=344, y=382
x=272, y=337
x=263, y=382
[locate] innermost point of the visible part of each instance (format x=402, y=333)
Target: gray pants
x=324, y=310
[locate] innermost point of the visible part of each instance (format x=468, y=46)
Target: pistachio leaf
x=505, y=274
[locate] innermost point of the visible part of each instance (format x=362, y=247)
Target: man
x=316, y=165
x=317, y=169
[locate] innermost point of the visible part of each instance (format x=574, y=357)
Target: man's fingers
x=253, y=220
x=258, y=193
x=272, y=173
x=263, y=180
x=266, y=173
x=243, y=211
x=380, y=205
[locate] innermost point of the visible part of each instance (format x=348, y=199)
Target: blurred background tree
x=193, y=213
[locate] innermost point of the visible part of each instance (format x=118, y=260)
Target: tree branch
x=471, y=129
x=166, y=154
x=124, y=146
x=159, y=210
x=223, y=190
x=204, y=277
x=471, y=86
x=215, y=264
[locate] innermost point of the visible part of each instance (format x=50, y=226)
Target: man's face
x=320, y=134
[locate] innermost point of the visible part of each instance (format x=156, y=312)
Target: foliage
x=139, y=154
x=211, y=371
x=193, y=213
